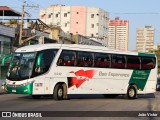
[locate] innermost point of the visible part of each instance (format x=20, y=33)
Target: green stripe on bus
x=20, y=90
x=139, y=77
x=146, y=54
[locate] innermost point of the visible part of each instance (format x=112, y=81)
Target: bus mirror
x=5, y=58
x=39, y=60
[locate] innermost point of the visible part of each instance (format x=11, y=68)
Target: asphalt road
x=150, y=102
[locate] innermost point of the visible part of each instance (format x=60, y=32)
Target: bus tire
x=132, y=92
x=36, y=96
x=58, y=92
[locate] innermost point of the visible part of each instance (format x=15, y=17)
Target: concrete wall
x=78, y=20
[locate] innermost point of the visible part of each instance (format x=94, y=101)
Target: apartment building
x=118, y=31
x=82, y=20
x=145, y=39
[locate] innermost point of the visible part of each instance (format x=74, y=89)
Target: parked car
x=158, y=84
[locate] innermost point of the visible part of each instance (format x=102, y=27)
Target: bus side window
x=60, y=62
x=102, y=60
x=44, y=62
x=133, y=62
x=118, y=61
x=67, y=58
x=147, y=63
x=85, y=59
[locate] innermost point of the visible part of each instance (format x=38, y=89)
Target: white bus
x=59, y=70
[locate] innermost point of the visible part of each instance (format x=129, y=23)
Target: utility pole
x=21, y=24
x=22, y=18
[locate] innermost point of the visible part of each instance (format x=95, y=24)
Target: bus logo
x=80, y=77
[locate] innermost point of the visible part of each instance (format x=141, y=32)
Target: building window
x=56, y=15
x=65, y=25
x=92, y=15
x=92, y=25
x=65, y=14
x=49, y=16
x=92, y=35
x=42, y=16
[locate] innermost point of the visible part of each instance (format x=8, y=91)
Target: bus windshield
x=21, y=66
x=30, y=64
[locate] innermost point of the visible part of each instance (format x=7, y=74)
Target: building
x=118, y=31
x=145, y=39
x=7, y=36
x=86, y=21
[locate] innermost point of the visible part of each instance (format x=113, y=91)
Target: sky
x=138, y=12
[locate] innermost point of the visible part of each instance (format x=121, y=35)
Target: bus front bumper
x=20, y=89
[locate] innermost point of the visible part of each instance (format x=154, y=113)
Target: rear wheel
x=58, y=92
x=132, y=92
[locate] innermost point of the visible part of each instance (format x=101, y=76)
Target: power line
x=23, y=12
x=136, y=13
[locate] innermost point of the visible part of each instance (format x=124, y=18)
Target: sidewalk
x=2, y=91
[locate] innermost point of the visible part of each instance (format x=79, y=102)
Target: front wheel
x=132, y=92
x=58, y=92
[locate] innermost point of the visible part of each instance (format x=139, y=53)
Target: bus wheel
x=36, y=96
x=58, y=92
x=132, y=92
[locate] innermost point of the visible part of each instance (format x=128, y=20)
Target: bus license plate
x=13, y=90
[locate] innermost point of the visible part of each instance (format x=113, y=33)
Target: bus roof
x=39, y=47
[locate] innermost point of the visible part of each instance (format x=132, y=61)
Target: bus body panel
x=87, y=80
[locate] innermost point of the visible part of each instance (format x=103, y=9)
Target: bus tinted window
x=67, y=58
x=85, y=59
x=47, y=57
x=102, y=60
x=148, y=63
x=118, y=61
x=133, y=62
